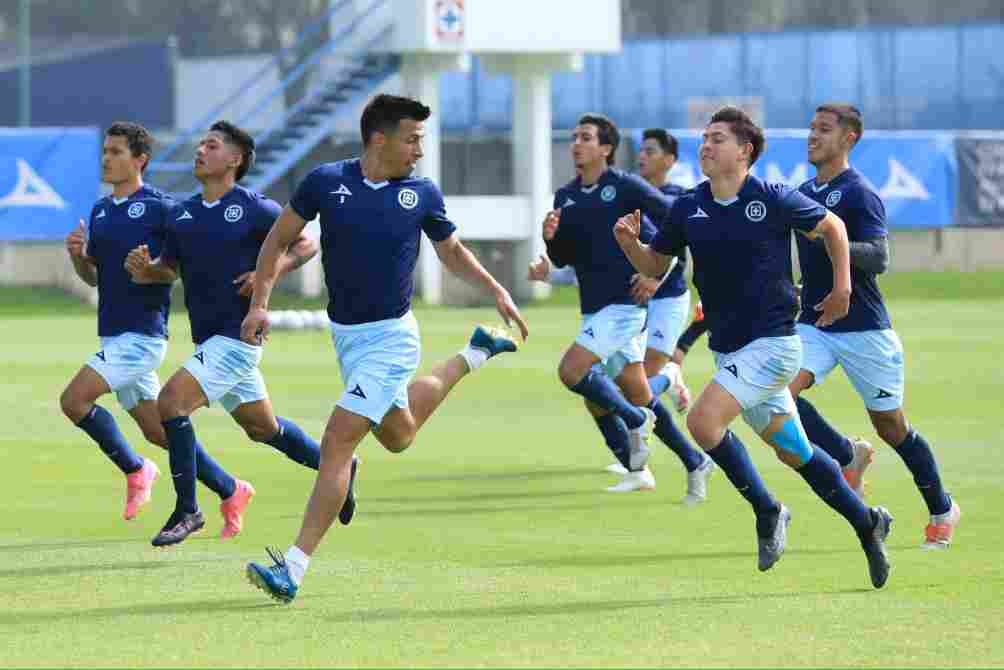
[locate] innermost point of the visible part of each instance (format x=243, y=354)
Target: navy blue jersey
x=675, y=284
x=851, y=198
x=215, y=243
x=117, y=227
x=585, y=236
x=370, y=237
x=742, y=257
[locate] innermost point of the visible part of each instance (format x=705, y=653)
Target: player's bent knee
x=259, y=433
x=169, y=404
x=73, y=407
x=791, y=444
x=892, y=426
x=703, y=430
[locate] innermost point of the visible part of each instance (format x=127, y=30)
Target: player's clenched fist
x=551, y=222
x=627, y=228
x=138, y=262
x=76, y=241
x=539, y=269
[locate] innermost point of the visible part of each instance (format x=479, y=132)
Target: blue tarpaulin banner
x=916, y=174
x=49, y=179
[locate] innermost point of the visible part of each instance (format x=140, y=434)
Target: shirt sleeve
x=671, y=239
x=170, y=252
x=560, y=248
x=436, y=225
x=306, y=200
x=652, y=202
x=268, y=211
x=91, y=248
x=798, y=211
x=871, y=222
x=158, y=232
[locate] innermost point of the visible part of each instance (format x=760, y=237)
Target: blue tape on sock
x=792, y=439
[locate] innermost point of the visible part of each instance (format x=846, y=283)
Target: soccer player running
x=372, y=214
x=579, y=232
x=668, y=298
x=215, y=237
x=132, y=318
x=738, y=229
x=863, y=343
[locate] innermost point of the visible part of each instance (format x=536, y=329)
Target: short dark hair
x=384, y=112
x=241, y=139
x=848, y=116
x=137, y=137
x=743, y=128
x=665, y=140
x=606, y=132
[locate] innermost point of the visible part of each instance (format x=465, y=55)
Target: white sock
x=296, y=563
x=475, y=357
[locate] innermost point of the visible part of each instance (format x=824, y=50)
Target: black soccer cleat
x=772, y=536
x=349, y=507
x=873, y=542
x=178, y=527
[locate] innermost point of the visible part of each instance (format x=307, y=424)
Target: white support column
x=531, y=160
x=420, y=79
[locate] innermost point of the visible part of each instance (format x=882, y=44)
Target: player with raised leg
x=864, y=343
x=738, y=229
x=215, y=237
x=373, y=213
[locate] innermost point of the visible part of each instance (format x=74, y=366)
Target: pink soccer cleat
x=233, y=508
x=938, y=534
x=139, y=485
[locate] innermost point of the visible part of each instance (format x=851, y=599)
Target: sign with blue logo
x=915, y=173
x=49, y=180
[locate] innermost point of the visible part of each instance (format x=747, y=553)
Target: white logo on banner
x=31, y=190
x=902, y=184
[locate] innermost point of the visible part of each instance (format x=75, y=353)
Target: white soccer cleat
x=639, y=438
x=616, y=469
x=854, y=473
x=677, y=391
x=697, y=482
x=638, y=480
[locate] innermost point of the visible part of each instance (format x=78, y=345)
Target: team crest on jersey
x=233, y=213
x=756, y=211
x=608, y=193
x=833, y=198
x=136, y=210
x=407, y=198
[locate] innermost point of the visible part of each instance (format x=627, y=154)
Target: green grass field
x=491, y=541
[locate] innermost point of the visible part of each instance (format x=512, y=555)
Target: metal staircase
x=328, y=75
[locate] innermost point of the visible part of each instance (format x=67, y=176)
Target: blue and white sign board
x=49, y=179
x=916, y=174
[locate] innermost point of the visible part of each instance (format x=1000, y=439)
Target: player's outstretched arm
x=834, y=233
x=644, y=258
x=285, y=232
x=146, y=270
x=459, y=260
x=76, y=247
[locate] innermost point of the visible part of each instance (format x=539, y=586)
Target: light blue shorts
x=227, y=370
x=667, y=318
x=377, y=360
x=758, y=376
x=872, y=360
x=128, y=363
x=614, y=335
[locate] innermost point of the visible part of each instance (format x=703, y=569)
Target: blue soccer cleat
x=275, y=579
x=873, y=543
x=492, y=341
